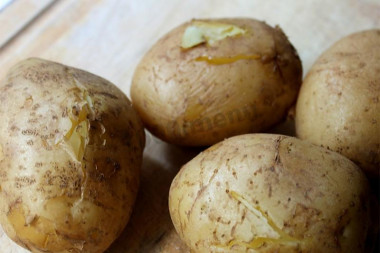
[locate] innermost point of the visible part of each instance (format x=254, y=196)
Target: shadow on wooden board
x=150, y=228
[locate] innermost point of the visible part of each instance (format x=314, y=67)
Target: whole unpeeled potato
x=271, y=193
x=339, y=102
x=70, y=153
x=210, y=79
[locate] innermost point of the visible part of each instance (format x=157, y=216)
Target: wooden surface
x=19, y=14
x=109, y=37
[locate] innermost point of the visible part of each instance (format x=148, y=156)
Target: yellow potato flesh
x=210, y=32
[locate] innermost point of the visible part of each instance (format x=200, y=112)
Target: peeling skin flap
x=210, y=32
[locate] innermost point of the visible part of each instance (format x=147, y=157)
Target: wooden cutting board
x=109, y=37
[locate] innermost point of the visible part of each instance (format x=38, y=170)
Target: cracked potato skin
x=70, y=154
x=190, y=102
x=339, y=102
x=270, y=193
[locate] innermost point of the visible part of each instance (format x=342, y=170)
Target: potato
x=339, y=102
x=270, y=193
x=210, y=79
x=71, y=150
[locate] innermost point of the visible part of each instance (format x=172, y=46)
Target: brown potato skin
x=313, y=195
x=195, y=103
x=339, y=102
x=51, y=201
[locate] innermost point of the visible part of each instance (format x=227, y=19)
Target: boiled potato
x=71, y=148
x=270, y=193
x=339, y=102
x=210, y=79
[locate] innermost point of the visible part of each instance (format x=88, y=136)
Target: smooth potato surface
x=270, y=193
x=200, y=95
x=339, y=103
x=70, y=152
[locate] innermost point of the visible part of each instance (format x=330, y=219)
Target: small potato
x=339, y=103
x=210, y=79
x=271, y=193
x=70, y=152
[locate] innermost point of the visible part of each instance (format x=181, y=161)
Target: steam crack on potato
x=233, y=229
x=277, y=159
x=179, y=212
x=199, y=32
x=276, y=67
x=227, y=59
x=260, y=241
x=200, y=191
x=83, y=187
x=77, y=137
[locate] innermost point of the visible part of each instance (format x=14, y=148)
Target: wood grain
x=109, y=37
x=17, y=15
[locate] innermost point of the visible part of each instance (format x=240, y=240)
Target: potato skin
x=56, y=196
x=256, y=188
x=194, y=103
x=339, y=102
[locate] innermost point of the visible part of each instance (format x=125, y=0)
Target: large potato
x=210, y=79
x=339, y=102
x=70, y=152
x=271, y=193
